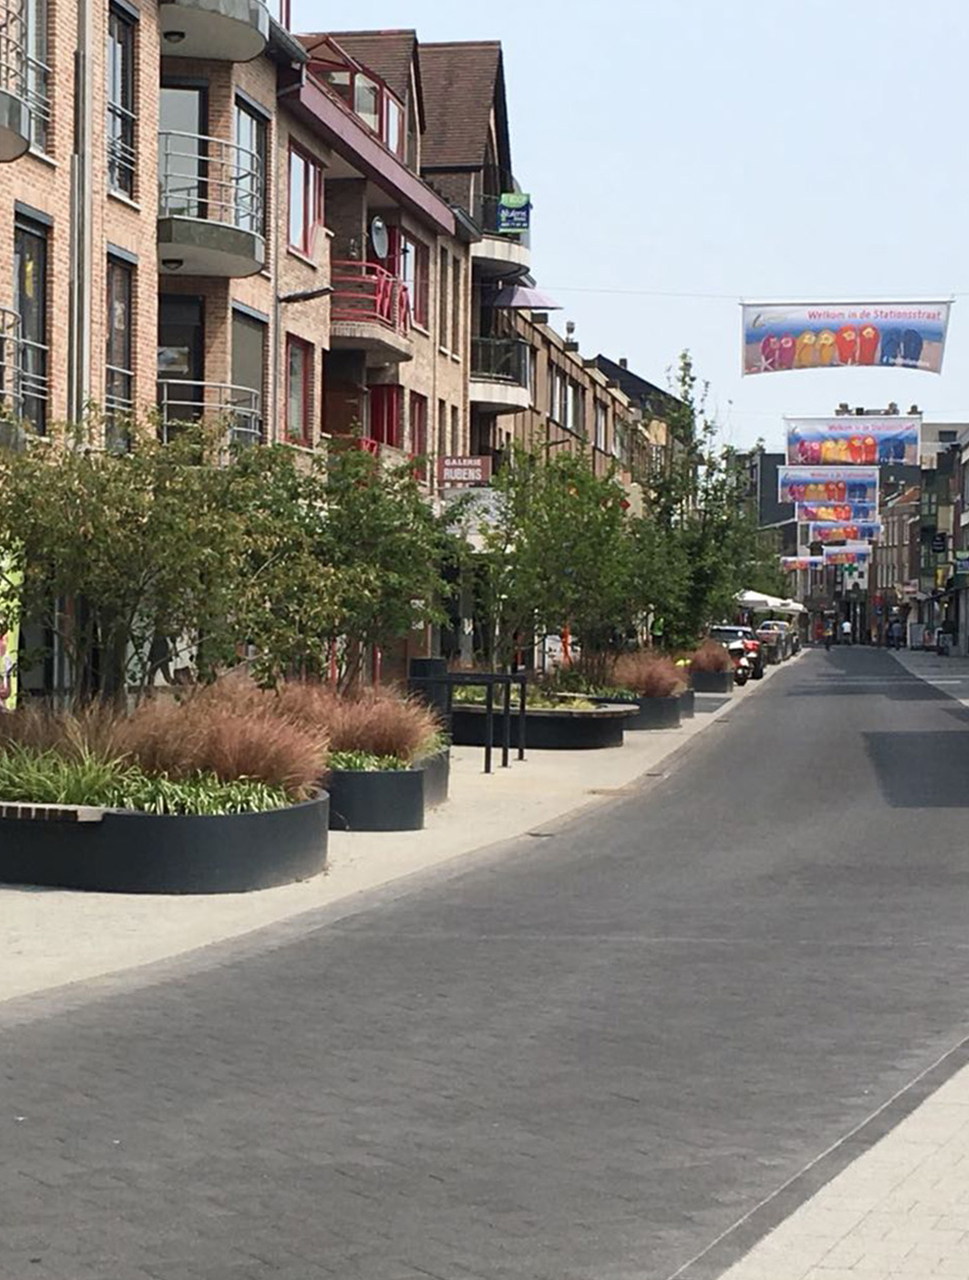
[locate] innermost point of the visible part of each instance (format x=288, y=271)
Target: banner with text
x=835, y=512
x=853, y=442
x=783, y=336
x=792, y=563
x=827, y=484
x=845, y=532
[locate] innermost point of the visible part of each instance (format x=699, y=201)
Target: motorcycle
x=741, y=662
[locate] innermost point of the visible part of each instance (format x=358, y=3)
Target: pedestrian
x=895, y=633
x=828, y=633
x=846, y=632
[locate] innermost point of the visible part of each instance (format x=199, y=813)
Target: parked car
x=778, y=636
x=725, y=635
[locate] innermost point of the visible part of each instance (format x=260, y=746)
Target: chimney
x=623, y=362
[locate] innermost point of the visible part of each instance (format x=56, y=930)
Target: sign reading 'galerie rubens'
x=783, y=336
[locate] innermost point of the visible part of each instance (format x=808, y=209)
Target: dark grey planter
x=376, y=800
x=437, y=777
x=146, y=853
x=711, y=681
x=648, y=713
x=687, y=699
x=550, y=730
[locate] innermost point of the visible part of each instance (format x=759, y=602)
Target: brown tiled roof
x=388, y=54
x=459, y=81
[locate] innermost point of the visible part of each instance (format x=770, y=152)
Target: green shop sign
x=514, y=212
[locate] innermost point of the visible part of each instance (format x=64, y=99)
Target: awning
x=757, y=601
x=520, y=297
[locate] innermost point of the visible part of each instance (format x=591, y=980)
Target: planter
x=711, y=681
x=124, y=852
x=376, y=800
x=437, y=776
x=687, y=699
x=547, y=730
x=648, y=713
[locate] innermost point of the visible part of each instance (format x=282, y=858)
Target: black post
x=506, y=722
x=522, y=687
x=489, y=722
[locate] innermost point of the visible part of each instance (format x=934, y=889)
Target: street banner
x=841, y=556
x=10, y=581
x=792, y=563
x=835, y=512
x=869, y=532
x=847, y=441
x=900, y=335
x=827, y=484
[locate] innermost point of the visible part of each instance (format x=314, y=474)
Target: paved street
x=585, y=1057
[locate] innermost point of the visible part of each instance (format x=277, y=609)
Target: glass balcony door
x=183, y=122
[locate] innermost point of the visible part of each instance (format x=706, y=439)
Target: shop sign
x=460, y=472
x=939, y=544
x=514, y=213
x=961, y=559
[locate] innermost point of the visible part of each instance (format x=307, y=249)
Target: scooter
x=741, y=663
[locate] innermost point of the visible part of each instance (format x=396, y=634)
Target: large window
x=38, y=73
x=299, y=391
x=601, y=425
x=366, y=101
x=443, y=328
x=30, y=303
x=418, y=431
x=456, y=306
x=373, y=102
x=393, y=124
x=250, y=176
x=121, y=103
x=249, y=346
x=386, y=416
x=415, y=271
x=119, y=380
x=305, y=200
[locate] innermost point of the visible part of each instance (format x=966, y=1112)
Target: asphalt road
x=585, y=1056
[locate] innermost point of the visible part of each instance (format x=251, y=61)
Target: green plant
x=365, y=762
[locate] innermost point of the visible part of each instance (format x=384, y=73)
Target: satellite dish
x=379, y=238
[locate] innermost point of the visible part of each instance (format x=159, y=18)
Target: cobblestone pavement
x=623, y=1047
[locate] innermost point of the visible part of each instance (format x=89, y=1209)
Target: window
x=441, y=429
x=575, y=408
x=456, y=307
x=418, y=431
x=366, y=101
x=341, y=82
x=250, y=171
x=529, y=356
x=305, y=200
x=455, y=432
x=601, y=426
x=30, y=303
x=38, y=73
x=119, y=371
x=386, y=412
x=413, y=151
x=557, y=395
x=299, y=390
x=249, y=346
x=393, y=124
x=415, y=270
x=121, y=103
x=443, y=331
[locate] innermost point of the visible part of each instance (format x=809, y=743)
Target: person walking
x=828, y=633
x=846, y=632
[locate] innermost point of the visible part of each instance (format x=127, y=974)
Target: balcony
x=499, y=374
x=498, y=253
x=210, y=207
x=14, y=81
x=370, y=312
x=221, y=30
x=181, y=402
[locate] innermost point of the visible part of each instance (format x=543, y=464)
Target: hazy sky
x=684, y=154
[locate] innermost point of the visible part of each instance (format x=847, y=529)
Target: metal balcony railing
x=209, y=179
x=21, y=74
x=500, y=360
x=487, y=203
x=121, y=148
x=364, y=292
x=182, y=402
x=11, y=358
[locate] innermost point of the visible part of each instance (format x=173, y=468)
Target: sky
x=683, y=155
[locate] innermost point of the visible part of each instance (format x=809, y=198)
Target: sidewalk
x=49, y=937
x=900, y=1211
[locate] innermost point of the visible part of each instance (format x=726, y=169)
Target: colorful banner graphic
x=827, y=484
x=835, y=512
x=841, y=556
x=783, y=336
x=791, y=563
x=853, y=442
x=10, y=580
x=845, y=532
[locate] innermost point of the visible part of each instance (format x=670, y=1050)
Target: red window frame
x=386, y=416
x=418, y=432
x=304, y=437
x=312, y=200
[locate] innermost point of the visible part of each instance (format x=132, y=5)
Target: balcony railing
x=11, y=359
x=182, y=402
x=364, y=293
x=500, y=360
x=209, y=179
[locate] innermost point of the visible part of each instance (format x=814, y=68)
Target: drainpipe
x=79, y=334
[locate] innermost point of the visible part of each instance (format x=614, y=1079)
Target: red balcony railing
x=366, y=293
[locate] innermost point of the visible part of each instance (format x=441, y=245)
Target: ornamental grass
x=650, y=675
x=710, y=656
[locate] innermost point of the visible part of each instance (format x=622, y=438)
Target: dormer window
x=370, y=100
